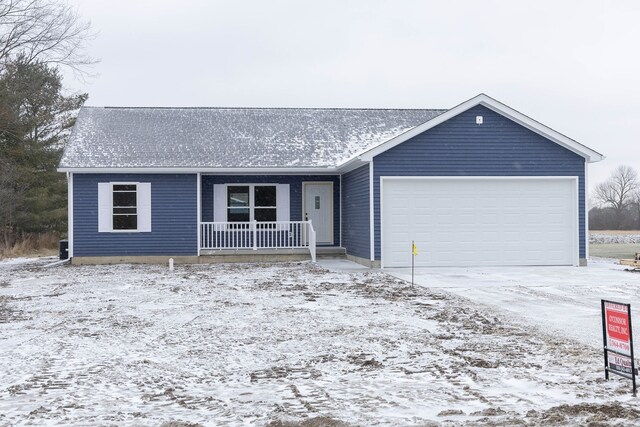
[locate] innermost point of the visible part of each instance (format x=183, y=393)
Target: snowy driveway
x=564, y=301
x=257, y=344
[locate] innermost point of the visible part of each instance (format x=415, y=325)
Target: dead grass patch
x=40, y=244
x=613, y=250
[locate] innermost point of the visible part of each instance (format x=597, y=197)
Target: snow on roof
x=108, y=137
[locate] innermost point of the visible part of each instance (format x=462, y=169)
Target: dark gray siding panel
x=295, y=200
x=355, y=212
x=459, y=147
x=173, y=217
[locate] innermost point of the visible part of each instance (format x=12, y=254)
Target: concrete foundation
x=364, y=261
x=220, y=257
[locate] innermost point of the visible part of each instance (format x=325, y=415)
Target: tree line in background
x=37, y=38
x=617, y=201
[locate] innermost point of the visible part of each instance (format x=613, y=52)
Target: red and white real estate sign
x=620, y=363
x=617, y=327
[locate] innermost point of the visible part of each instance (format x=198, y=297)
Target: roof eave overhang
x=351, y=164
x=590, y=155
x=192, y=170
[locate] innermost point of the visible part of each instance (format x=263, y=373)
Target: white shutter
x=219, y=203
x=105, y=207
x=144, y=207
x=283, y=211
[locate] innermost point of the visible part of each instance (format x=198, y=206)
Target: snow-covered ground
x=253, y=344
x=598, y=238
x=564, y=301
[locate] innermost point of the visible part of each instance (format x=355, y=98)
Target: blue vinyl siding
x=295, y=197
x=460, y=147
x=355, y=212
x=173, y=217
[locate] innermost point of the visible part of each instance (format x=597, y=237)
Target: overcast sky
x=572, y=65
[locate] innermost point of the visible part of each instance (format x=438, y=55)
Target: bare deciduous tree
x=48, y=31
x=618, y=191
x=635, y=205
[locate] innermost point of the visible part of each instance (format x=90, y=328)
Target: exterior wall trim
x=199, y=207
x=488, y=177
x=372, y=239
x=576, y=229
x=340, y=213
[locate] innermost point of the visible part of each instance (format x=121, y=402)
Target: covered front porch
x=257, y=235
x=261, y=216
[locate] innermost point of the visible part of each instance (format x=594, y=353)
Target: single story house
x=479, y=184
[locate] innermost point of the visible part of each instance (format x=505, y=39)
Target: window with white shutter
x=124, y=207
x=251, y=202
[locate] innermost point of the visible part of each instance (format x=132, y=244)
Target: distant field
x=614, y=232
x=619, y=244
x=614, y=250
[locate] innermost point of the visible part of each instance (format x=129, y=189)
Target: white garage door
x=479, y=221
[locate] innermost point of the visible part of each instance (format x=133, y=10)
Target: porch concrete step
x=332, y=252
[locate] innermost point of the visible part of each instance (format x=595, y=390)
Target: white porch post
x=254, y=224
x=312, y=241
x=199, y=207
x=70, y=213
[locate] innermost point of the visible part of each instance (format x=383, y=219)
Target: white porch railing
x=258, y=235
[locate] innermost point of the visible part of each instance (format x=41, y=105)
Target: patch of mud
x=311, y=422
x=450, y=412
x=489, y=412
x=127, y=322
x=277, y=372
x=365, y=361
x=8, y=313
x=592, y=412
x=179, y=424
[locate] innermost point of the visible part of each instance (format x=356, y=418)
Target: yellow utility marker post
x=414, y=252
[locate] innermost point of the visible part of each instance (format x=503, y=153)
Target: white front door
x=317, y=206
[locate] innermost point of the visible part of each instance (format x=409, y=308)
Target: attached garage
x=479, y=221
x=479, y=185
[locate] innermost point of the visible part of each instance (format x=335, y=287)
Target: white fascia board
x=226, y=171
x=351, y=164
x=590, y=155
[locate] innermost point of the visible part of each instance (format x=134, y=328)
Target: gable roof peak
x=483, y=99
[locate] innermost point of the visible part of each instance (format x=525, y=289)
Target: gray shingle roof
x=231, y=137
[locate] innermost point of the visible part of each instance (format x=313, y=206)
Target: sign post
x=414, y=252
x=617, y=336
